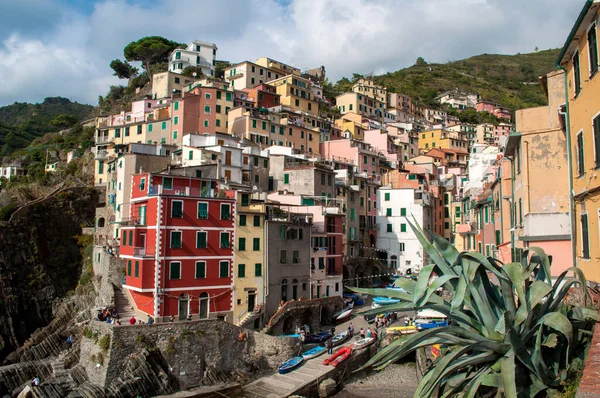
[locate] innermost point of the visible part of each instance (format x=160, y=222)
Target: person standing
x=330, y=345
x=362, y=333
x=351, y=329
x=369, y=333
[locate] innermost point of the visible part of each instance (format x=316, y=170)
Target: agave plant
x=510, y=329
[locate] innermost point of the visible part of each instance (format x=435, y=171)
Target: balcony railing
x=139, y=251
x=182, y=191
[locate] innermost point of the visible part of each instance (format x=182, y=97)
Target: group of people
x=109, y=315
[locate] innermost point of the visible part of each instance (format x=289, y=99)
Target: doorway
x=203, y=306
x=142, y=244
x=183, y=307
x=251, y=301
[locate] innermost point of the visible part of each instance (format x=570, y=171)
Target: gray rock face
x=327, y=388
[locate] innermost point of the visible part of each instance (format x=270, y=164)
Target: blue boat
x=313, y=352
x=290, y=365
x=316, y=338
x=385, y=300
x=295, y=336
x=431, y=325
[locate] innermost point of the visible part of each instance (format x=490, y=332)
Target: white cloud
x=346, y=36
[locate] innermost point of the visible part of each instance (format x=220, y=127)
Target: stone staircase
x=124, y=307
x=249, y=317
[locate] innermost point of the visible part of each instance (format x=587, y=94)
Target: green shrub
x=104, y=342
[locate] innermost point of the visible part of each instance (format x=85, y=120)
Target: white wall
x=411, y=257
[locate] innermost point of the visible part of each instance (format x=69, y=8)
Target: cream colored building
x=296, y=94
x=368, y=87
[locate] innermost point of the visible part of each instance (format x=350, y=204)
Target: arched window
x=203, y=306
x=184, y=305
x=284, y=288
x=101, y=222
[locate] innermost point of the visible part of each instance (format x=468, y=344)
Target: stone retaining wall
x=314, y=313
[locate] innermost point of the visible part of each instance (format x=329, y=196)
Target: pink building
x=485, y=106
x=384, y=144
x=502, y=112
x=361, y=154
x=502, y=130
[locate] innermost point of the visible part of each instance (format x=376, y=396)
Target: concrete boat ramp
x=305, y=379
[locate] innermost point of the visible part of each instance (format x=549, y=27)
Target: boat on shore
x=344, y=316
x=340, y=338
x=338, y=357
x=402, y=330
x=316, y=337
x=362, y=343
x=313, y=352
x=290, y=365
x=431, y=325
x=385, y=300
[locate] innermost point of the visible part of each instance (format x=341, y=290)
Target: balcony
x=318, y=228
x=104, y=139
x=140, y=252
x=205, y=192
x=101, y=155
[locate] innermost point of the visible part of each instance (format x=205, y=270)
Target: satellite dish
x=194, y=74
x=254, y=188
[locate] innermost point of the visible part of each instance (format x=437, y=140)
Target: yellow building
x=443, y=139
x=579, y=57
x=361, y=104
x=250, y=267
x=279, y=67
x=296, y=94
x=485, y=133
x=351, y=124
x=368, y=87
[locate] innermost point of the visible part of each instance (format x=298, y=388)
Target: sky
x=64, y=47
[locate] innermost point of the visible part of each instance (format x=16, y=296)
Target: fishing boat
x=402, y=330
x=342, y=351
x=362, y=343
x=340, y=338
x=385, y=301
x=316, y=338
x=344, y=316
x=371, y=318
x=296, y=335
x=340, y=356
x=313, y=352
x=431, y=325
x=290, y=365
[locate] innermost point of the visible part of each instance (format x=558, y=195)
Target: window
x=258, y=269
x=323, y=178
x=241, y=270
x=282, y=257
x=242, y=244
x=176, y=120
x=593, y=49
x=228, y=96
x=321, y=263
x=585, y=239
x=580, y=157
x=498, y=238
x=387, y=196
x=218, y=109
x=139, y=129
x=225, y=240
x=520, y=212
x=576, y=74
x=200, y=269
x=176, y=105
x=388, y=212
x=352, y=214
x=253, y=124
x=207, y=95
x=402, y=227
x=389, y=228
x=597, y=141
x=128, y=267
x=177, y=209
x=257, y=221
x=126, y=131
x=175, y=270
x=225, y=211
x=202, y=210
x=403, y=211
x=218, y=122
x=175, y=239
x=167, y=183
x=242, y=220
x=296, y=256
x=286, y=178
x=137, y=269
x=223, y=269
x=201, y=240
x=256, y=244
x=163, y=125
x=190, y=155
x=174, y=134
x=446, y=225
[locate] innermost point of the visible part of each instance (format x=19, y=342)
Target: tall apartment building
x=199, y=54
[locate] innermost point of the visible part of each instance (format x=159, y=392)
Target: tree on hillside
x=123, y=70
x=63, y=121
x=150, y=50
x=220, y=67
x=421, y=62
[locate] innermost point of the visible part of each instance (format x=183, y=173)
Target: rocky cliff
x=40, y=262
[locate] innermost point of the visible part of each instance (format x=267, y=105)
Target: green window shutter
x=137, y=269
x=176, y=120
x=256, y=244
x=225, y=211
x=225, y=240
x=241, y=270
x=264, y=125
x=402, y=227
x=352, y=214
x=228, y=96
x=175, y=240
x=300, y=234
x=176, y=209
x=190, y=155
x=223, y=269
x=128, y=267
x=125, y=238
x=403, y=212
x=321, y=263
x=242, y=244
x=206, y=109
x=176, y=105
x=486, y=214
x=282, y=232
x=283, y=256
x=167, y=183
x=206, y=123
x=164, y=125
x=257, y=221
x=498, y=238
x=218, y=94
x=218, y=108
x=281, y=130
x=202, y=210
x=387, y=196
x=201, y=240
x=258, y=269
x=200, y=269
x=286, y=178
x=131, y=238
x=174, y=134
x=388, y=212
x=253, y=123
x=175, y=271
x=242, y=220
x=150, y=127
x=389, y=228
x=245, y=199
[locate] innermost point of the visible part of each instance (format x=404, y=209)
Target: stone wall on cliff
x=315, y=313
x=40, y=261
x=172, y=356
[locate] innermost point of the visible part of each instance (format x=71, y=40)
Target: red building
x=178, y=247
x=263, y=95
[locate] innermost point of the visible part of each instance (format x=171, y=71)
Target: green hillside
x=511, y=80
x=21, y=123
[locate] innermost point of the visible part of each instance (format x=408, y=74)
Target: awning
x=511, y=144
